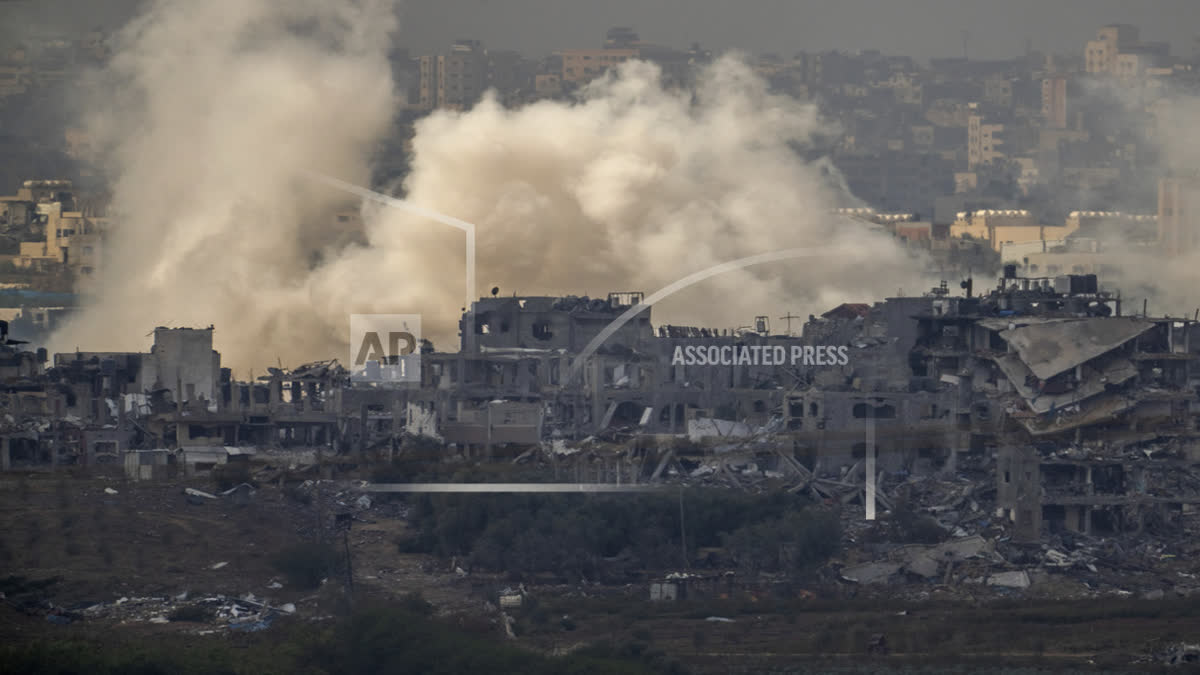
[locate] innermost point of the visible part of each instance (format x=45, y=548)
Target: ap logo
x=385, y=347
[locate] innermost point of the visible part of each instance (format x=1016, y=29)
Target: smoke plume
x=1169, y=281
x=1162, y=122
x=204, y=117
x=630, y=187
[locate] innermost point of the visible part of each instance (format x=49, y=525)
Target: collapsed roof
x=1052, y=347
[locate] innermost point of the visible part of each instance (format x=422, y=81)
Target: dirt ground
x=150, y=540
x=150, y=544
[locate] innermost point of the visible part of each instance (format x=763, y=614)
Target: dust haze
x=630, y=187
x=204, y=117
x=1166, y=282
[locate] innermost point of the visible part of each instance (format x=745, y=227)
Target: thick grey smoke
x=207, y=111
x=1169, y=281
x=629, y=188
x=1133, y=261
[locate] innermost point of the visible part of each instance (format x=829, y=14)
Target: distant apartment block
x=1101, y=53
x=1117, y=51
x=52, y=229
x=455, y=79
x=1005, y=227
x=580, y=66
x=1054, y=102
x=983, y=141
x=621, y=44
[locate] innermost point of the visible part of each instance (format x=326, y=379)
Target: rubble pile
x=980, y=555
x=217, y=612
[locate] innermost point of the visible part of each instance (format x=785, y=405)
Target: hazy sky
x=920, y=28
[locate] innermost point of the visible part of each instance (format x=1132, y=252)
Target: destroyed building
x=1086, y=415
x=1031, y=367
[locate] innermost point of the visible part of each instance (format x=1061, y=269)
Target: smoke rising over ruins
x=632, y=186
x=853, y=320
x=204, y=116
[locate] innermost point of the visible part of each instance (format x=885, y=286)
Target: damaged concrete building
x=1028, y=369
x=1086, y=416
x=92, y=408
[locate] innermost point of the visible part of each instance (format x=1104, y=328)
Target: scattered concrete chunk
x=239, y=493
x=1181, y=654
x=961, y=549
x=1018, y=579
x=922, y=565
x=871, y=573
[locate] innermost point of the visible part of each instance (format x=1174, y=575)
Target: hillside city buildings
x=1082, y=410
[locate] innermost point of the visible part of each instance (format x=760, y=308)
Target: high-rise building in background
x=454, y=79
x=1179, y=213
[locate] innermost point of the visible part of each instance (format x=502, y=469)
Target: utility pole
x=682, y=532
x=349, y=565
x=320, y=501
x=788, y=318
